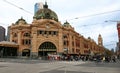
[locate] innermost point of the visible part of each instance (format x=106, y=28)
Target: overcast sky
x=86, y=16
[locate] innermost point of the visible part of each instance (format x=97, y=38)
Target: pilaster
x=60, y=47
x=34, y=49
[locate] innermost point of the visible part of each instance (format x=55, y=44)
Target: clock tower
x=100, y=40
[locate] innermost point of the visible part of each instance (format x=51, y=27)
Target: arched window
x=47, y=45
x=26, y=41
x=15, y=35
x=26, y=35
x=64, y=36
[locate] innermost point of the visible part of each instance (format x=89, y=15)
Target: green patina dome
x=46, y=13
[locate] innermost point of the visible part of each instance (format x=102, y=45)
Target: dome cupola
x=46, y=13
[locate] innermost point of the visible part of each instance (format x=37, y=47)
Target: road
x=41, y=66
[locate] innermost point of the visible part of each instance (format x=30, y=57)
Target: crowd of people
x=96, y=58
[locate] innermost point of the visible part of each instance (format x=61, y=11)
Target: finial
x=66, y=22
x=99, y=35
x=45, y=6
x=21, y=17
x=45, y=2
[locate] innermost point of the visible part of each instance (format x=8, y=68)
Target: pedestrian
x=103, y=59
x=113, y=59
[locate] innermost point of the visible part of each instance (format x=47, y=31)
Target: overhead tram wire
x=107, y=45
x=17, y=7
x=94, y=14
x=92, y=24
x=3, y=23
x=67, y=19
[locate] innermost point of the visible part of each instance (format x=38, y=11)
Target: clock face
x=47, y=26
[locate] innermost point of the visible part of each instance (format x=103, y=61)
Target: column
x=19, y=42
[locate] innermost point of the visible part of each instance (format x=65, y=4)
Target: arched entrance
x=47, y=48
x=26, y=52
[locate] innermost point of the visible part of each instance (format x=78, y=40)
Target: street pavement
x=43, y=66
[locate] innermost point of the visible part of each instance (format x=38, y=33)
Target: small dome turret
x=21, y=21
x=66, y=24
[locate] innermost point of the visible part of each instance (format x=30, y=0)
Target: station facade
x=46, y=35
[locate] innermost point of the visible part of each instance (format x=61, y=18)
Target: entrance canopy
x=8, y=49
x=8, y=44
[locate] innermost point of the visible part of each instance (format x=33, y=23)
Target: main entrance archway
x=47, y=48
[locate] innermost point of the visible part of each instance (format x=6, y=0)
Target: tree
x=108, y=52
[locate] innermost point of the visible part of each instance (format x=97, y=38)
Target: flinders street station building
x=46, y=35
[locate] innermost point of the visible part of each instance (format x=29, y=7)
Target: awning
x=8, y=44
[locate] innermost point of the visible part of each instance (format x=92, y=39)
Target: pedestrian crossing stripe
x=67, y=62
